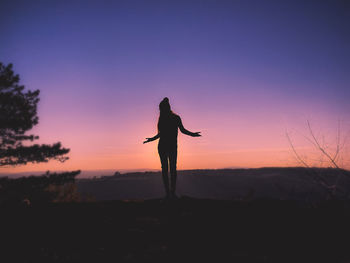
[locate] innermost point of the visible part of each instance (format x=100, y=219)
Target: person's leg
x=173, y=173
x=164, y=161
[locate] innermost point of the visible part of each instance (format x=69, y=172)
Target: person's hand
x=147, y=140
x=196, y=134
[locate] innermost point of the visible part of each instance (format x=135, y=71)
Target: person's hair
x=164, y=106
x=164, y=112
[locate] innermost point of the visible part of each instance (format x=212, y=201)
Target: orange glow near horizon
x=243, y=144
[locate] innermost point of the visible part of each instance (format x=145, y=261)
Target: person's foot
x=167, y=197
x=173, y=196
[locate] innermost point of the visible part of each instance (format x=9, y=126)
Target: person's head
x=165, y=113
x=164, y=106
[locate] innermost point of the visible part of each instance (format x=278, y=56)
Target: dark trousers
x=168, y=157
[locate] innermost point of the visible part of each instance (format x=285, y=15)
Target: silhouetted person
x=168, y=125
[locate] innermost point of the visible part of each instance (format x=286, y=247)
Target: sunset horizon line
x=94, y=172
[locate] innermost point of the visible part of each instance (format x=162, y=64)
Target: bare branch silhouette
x=295, y=152
x=318, y=146
x=324, y=150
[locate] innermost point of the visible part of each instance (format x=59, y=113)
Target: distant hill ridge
x=282, y=183
x=229, y=171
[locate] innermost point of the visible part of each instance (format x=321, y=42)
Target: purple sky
x=242, y=72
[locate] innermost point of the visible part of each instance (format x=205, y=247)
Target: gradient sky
x=241, y=72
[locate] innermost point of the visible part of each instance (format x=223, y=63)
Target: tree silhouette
x=18, y=115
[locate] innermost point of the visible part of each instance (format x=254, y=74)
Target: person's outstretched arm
x=187, y=132
x=152, y=139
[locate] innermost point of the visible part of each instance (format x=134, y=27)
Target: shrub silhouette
x=50, y=187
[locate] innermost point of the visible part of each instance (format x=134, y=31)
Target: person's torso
x=168, y=128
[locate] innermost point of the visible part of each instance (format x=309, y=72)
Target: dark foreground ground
x=186, y=230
